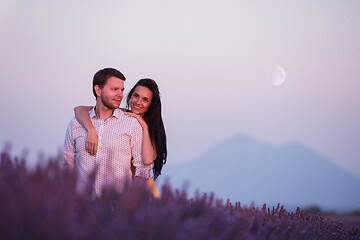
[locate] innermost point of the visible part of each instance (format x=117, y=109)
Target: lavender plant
x=43, y=204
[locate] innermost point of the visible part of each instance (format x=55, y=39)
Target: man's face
x=112, y=93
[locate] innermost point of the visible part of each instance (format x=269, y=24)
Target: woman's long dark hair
x=155, y=123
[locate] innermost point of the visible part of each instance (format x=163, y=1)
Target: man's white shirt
x=120, y=144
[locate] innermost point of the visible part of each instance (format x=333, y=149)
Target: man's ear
x=97, y=90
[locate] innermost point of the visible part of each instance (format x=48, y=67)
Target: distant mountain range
x=246, y=170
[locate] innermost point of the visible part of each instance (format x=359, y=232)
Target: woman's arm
x=82, y=115
x=148, y=148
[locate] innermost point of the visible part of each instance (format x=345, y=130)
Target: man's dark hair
x=103, y=75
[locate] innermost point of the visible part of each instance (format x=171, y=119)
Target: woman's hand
x=92, y=142
x=148, y=149
x=139, y=118
x=82, y=115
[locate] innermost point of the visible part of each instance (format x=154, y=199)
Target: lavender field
x=42, y=203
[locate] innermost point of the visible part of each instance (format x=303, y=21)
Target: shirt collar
x=92, y=113
x=117, y=113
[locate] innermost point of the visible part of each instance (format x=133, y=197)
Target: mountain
x=246, y=170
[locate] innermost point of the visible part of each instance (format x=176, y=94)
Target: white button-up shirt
x=120, y=141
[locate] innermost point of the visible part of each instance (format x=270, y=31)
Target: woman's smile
x=141, y=100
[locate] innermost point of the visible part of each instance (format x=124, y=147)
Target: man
x=120, y=138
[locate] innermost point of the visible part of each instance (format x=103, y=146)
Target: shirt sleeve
x=69, y=147
x=141, y=170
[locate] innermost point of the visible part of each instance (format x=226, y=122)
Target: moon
x=279, y=77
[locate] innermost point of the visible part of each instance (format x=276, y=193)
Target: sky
x=214, y=62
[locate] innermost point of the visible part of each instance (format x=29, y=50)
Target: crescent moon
x=279, y=77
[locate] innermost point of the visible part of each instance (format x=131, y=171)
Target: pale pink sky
x=213, y=60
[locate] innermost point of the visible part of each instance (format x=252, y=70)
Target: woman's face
x=141, y=100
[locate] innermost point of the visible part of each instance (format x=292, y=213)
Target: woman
x=145, y=104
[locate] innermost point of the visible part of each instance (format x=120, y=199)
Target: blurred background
x=214, y=62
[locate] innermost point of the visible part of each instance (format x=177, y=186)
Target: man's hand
x=92, y=142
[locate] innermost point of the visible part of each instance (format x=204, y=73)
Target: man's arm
x=69, y=147
x=141, y=170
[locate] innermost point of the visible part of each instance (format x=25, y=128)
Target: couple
x=116, y=143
